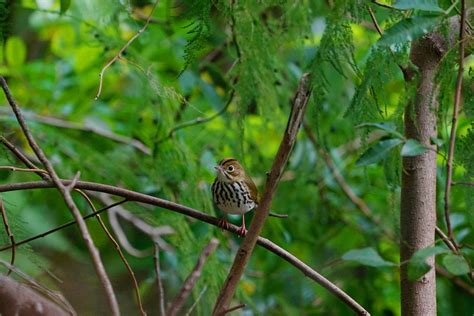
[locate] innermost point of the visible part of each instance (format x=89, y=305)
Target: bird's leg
x=242, y=230
x=223, y=224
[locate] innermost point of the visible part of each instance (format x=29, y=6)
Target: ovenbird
x=234, y=192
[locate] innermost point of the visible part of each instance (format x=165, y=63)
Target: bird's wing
x=253, y=189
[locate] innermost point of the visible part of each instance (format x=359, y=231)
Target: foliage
x=181, y=70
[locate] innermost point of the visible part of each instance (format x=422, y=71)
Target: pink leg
x=223, y=224
x=242, y=230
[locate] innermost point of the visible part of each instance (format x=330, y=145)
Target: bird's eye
x=230, y=168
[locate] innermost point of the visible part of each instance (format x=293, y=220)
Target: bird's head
x=230, y=170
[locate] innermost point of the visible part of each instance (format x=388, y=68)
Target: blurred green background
x=184, y=68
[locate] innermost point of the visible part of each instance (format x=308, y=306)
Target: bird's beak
x=218, y=168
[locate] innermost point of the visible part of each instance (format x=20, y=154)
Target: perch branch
x=452, y=137
x=245, y=251
x=147, y=199
x=94, y=253
x=190, y=281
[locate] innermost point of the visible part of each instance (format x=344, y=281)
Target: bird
x=234, y=192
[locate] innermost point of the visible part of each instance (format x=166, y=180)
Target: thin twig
x=407, y=72
x=155, y=233
x=42, y=173
x=234, y=308
x=9, y=233
x=56, y=122
x=466, y=183
x=357, y=201
x=93, y=251
x=458, y=281
x=199, y=120
x=178, y=208
x=374, y=21
x=452, y=137
x=190, y=281
x=70, y=223
x=130, y=41
x=446, y=240
x=196, y=302
x=246, y=249
x=12, y=168
x=119, y=250
x=159, y=284
x=383, y=5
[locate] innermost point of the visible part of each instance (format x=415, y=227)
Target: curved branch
x=175, y=207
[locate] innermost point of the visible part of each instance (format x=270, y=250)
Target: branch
x=16, y=298
x=261, y=213
x=147, y=199
x=452, y=137
x=159, y=284
x=364, y=208
x=190, y=281
x=130, y=41
x=154, y=233
x=94, y=253
x=386, y=6
x=199, y=120
x=458, y=281
x=357, y=201
x=9, y=233
x=119, y=251
x=469, y=184
x=20, y=299
x=53, y=121
x=42, y=173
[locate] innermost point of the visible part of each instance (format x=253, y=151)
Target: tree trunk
x=418, y=193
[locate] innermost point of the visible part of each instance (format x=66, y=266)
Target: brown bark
x=418, y=194
x=19, y=299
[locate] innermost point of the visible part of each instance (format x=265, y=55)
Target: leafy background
x=185, y=67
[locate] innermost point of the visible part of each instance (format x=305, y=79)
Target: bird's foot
x=242, y=231
x=223, y=224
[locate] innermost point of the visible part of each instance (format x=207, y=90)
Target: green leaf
x=377, y=152
x=64, y=6
x=436, y=141
x=387, y=127
x=15, y=51
x=424, y=5
x=367, y=256
x=417, y=266
x=413, y=148
x=408, y=30
x=456, y=264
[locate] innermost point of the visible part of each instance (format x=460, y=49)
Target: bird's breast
x=232, y=197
